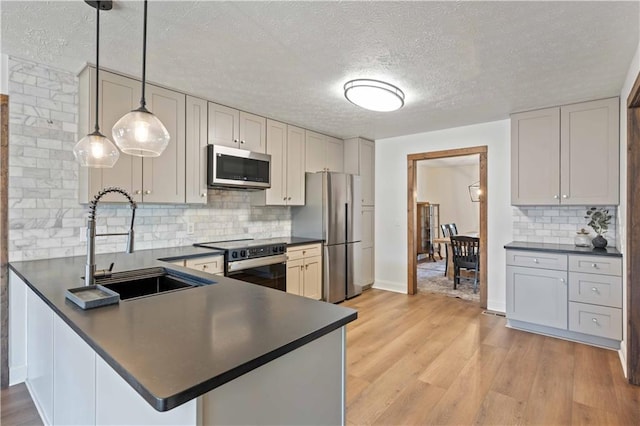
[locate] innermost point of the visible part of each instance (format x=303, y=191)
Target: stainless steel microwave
x=237, y=168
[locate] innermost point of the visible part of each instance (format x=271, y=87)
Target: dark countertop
x=563, y=248
x=175, y=346
x=298, y=241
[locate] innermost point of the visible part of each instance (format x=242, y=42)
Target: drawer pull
x=204, y=266
x=594, y=265
x=595, y=290
x=595, y=321
x=535, y=261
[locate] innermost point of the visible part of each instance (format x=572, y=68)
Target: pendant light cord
x=97, y=127
x=143, y=102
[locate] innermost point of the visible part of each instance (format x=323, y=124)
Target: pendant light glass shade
x=141, y=133
x=374, y=95
x=95, y=150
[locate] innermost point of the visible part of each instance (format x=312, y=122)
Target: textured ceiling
x=458, y=62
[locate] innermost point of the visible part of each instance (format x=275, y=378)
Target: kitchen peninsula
x=225, y=353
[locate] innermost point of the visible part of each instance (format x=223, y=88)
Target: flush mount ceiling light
x=95, y=150
x=140, y=133
x=374, y=95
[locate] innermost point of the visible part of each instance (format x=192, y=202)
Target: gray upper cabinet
x=566, y=155
x=196, y=151
x=153, y=180
x=224, y=125
x=237, y=129
x=286, y=146
x=535, y=157
x=359, y=159
x=589, y=153
x=323, y=153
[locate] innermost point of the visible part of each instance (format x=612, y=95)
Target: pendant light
x=95, y=149
x=139, y=132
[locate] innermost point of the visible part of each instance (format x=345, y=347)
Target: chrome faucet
x=90, y=269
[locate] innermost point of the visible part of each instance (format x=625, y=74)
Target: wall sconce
x=475, y=192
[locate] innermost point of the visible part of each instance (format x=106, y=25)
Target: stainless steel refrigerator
x=333, y=213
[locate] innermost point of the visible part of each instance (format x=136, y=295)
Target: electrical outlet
x=191, y=228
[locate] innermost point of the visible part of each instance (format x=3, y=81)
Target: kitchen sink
x=148, y=282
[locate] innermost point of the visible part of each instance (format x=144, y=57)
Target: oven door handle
x=240, y=265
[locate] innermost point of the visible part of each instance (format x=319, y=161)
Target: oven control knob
x=243, y=253
x=282, y=249
x=234, y=254
x=274, y=249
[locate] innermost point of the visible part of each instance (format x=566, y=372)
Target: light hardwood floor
x=17, y=408
x=454, y=365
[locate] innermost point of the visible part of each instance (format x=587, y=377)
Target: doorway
x=412, y=214
x=447, y=204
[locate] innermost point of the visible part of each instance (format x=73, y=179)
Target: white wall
x=4, y=74
x=391, y=200
x=449, y=187
x=632, y=74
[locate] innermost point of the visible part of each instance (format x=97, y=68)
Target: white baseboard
x=497, y=306
x=44, y=418
x=396, y=287
x=17, y=374
x=622, y=353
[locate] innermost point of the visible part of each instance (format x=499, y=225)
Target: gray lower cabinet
x=575, y=297
x=538, y=296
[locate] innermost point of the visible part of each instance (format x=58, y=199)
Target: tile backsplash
x=556, y=224
x=45, y=218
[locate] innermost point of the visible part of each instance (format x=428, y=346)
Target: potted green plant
x=599, y=220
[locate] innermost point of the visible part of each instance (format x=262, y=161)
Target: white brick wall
x=556, y=224
x=45, y=218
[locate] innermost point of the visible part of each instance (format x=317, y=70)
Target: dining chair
x=466, y=256
x=446, y=232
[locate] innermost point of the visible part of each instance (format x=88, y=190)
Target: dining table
x=447, y=242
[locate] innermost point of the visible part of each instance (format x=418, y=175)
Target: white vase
x=582, y=240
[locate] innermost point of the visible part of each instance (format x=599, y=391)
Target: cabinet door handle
x=565, y=196
x=236, y=141
x=242, y=141
x=138, y=192
x=288, y=198
x=204, y=194
x=306, y=266
x=285, y=198
x=556, y=197
x=562, y=280
x=147, y=192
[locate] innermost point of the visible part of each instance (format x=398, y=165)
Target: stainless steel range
x=262, y=262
